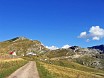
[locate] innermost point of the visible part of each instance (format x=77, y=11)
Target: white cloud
x=95, y=33
x=83, y=35
x=52, y=47
x=66, y=46
x=96, y=38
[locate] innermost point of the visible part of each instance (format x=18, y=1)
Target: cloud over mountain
x=94, y=33
x=66, y=46
x=52, y=47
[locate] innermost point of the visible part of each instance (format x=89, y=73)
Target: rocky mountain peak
x=99, y=47
x=21, y=37
x=17, y=39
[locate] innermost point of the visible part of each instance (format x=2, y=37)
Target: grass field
x=74, y=65
x=43, y=72
x=59, y=71
x=9, y=66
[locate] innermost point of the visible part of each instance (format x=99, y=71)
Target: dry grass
x=7, y=60
x=9, y=66
x=64, y=72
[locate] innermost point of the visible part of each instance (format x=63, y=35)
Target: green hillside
x=59, y=71
x=73, y=62
x=21, y=46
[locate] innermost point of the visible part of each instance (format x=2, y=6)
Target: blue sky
x=53, y=22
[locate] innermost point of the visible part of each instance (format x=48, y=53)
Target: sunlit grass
x=65, y=72
x=74, y=65
x=9, y=66
x=44, y=73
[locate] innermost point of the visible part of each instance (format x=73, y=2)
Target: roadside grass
x=74, y=65
x=43, y=72
x=65, y=72
x=9, y=66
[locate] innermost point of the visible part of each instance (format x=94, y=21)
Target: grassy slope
x=71, y=64
x=9, y=66
x=58, y=53
x=20, y=46
x=70, y=72
x=43, y=72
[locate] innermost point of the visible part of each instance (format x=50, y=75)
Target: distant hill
x=73, y=62
x=86, y=56
x=91, y=56
x=21, y=45
x=99, y=47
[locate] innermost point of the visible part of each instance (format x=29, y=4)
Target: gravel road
x=27, y=71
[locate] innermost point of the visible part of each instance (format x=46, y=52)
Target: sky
x=54, y=22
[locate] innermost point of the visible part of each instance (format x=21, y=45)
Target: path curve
x=27, y=71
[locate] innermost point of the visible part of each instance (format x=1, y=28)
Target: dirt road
x=27, y=71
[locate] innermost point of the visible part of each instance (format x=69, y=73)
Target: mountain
x=99, y=47
x=91, y=56
x=79, y=62
x=85, y=56
x=18, y=38
x=21, y=45
x=73, y=52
